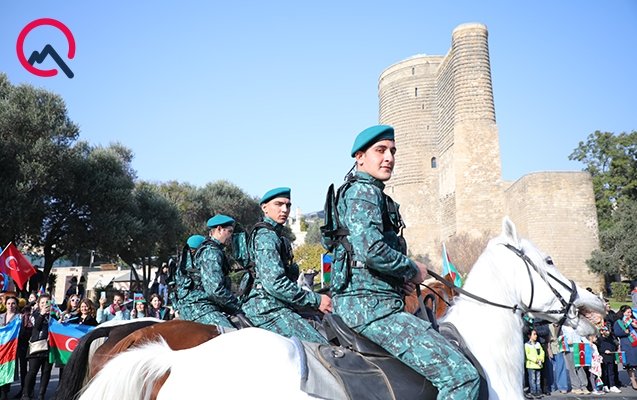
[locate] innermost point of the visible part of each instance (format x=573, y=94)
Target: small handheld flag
x=14, y=264
x=326, y=269
x=449, y=269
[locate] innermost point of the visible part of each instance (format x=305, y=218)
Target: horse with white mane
x=510, y=278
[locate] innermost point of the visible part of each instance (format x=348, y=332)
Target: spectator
x=162, y=282
x=157, y=309
x=23, y=346
x=624, y=329
x=11, y=304
x=609, y=321
x=140, y=310
x=608, y=348
x=116, y=311
x=560, y=374
x=544, y=338
x=72, y=309
x=87, y=313
x=534, y=354
x=577, y=374
x=596, y=368
x=39, y=359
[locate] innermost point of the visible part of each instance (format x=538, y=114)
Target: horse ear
x=510, y=232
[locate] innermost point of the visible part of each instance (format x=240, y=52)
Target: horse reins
x=566, y=306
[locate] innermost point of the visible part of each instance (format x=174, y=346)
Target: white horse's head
x=543, y=291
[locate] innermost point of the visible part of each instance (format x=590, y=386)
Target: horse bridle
x=566, y=305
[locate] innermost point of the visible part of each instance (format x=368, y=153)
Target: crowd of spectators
x=36, y=310
x=565, y=362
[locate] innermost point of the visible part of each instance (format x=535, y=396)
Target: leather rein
x=566, y=305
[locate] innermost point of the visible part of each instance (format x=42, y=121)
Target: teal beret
x=220, y=220
x=195, y=241
x=372, y=135
x=274, y=193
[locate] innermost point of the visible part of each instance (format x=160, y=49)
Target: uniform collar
x=218, y=243
x=365, y=177
x=277, y=227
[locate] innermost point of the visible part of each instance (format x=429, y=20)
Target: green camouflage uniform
x=370, y=301
x=275, y=293
x=209, y=295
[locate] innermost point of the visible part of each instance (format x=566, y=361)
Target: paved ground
x=627, y=392
x=50, y=390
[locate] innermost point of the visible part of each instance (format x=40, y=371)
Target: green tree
x=88, y=203
x=35, y=137
x=308, y=256
x=155, y=232
x=618, y=243
x=612, y=162
x=223, y=197
x=186, y=198
x=313, y=235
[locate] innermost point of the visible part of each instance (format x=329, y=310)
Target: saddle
x=366, y=370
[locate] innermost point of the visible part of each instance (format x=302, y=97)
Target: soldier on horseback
x=208, y=298
x=371, y=271
x=273, y=301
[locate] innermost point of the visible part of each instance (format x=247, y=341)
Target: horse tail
x=76, y=368
x=132, y=374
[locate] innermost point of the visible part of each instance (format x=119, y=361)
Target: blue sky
x=267, y=94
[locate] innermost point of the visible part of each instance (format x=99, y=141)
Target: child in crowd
x=608, y=348
x=596, y=367
x=534, y=354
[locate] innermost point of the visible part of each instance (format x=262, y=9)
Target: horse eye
x=549, y=260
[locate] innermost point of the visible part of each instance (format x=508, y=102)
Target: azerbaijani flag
x=582, y=354
x=561, y=344
x=620, y=357
x=8, y=350
x=62, y=340
x=449, y=269
x=326, y=269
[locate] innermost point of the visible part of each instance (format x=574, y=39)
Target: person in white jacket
x=116, y=311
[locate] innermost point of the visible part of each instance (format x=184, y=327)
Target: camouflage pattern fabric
x=271, y=302
x=371, y=300
x=207, y=290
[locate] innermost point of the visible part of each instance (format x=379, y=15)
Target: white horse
x=502, y=275
x=253, y=363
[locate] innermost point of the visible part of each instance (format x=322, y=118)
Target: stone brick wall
x=556, y=211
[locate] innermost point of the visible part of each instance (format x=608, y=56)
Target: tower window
x=416, y=92
x=413, y=70
x=434, y=163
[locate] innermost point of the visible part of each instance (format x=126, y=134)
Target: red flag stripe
x=8, y=351
x=62, y=342
x=16, y=265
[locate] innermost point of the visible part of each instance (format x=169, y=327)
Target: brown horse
x=436, y=295
x=178, y=334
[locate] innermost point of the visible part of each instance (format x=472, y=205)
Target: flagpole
x=5, y=248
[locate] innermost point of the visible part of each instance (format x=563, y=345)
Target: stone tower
x=449, y=157
x=448, y=173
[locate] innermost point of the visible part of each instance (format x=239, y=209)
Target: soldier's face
x=278, y=209
x=378, y=160
x=223, y=233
